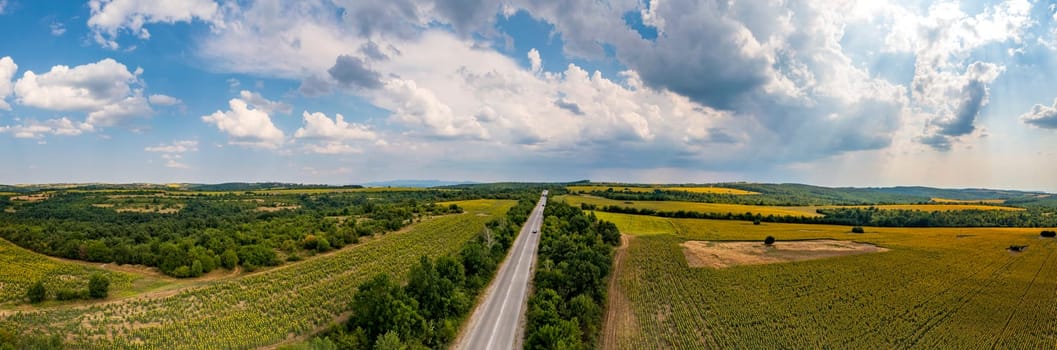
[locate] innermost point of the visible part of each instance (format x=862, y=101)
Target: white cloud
x=535, y=61
x=246, y=126
x=332, y=136
x=173, y=161
x=163, y=100
x=3, y=6
x=57, y=29
x=8, y=68
x=107, y=90
x=255, y=100
x=421, y=109
x=110, y=17
x=1041, y=116
x=319, y=126
x=175, y=147
x=38, y=129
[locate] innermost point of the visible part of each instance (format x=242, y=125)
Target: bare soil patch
x=718, y=255
x=278, y=208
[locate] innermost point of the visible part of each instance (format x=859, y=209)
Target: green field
x=21, y=268
x=936, y=288
x=635, y=189
x=259, y=309
x=672, y=206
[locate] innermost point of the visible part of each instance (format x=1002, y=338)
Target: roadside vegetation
x=575, y=255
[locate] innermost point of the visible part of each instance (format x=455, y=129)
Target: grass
x=258, y=309
x=935, y=288
x=719, y=208
x=21, y=268
x=634, y=189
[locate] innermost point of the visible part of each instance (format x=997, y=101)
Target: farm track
x=619, y=317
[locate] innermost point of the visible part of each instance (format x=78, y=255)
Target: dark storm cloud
x=353, y=71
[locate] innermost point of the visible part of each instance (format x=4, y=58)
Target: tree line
x=428, y=310
x=565, y=310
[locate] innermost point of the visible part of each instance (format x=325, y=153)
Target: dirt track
x=619, y=318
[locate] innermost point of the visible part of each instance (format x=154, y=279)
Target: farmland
x=715, y=208
x=22, y=267
x=258, y=309
x=933, y=288
x=634, y=189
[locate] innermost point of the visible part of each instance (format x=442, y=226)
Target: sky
x=829, y=92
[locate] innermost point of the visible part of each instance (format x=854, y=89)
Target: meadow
x=259, y=309
x=933, y=288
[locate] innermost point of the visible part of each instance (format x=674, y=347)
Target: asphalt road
x=495, y=323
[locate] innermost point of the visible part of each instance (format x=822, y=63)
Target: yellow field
x=717, y=208
x=935, y=288
x=985, y=201
x=931, y=207
x=702, y=189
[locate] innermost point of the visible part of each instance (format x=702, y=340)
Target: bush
x=1049, y=234
x=857, y=229
x=69, y=294
x=36, y=292
x=99, y=286
x=769, y=240
x=756, y=221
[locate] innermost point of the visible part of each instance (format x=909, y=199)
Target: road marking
x=502, y=309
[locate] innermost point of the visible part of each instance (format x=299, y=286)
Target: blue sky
x=845, y=93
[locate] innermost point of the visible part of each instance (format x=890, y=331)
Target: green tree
x=769, y=240
x=36, y=292
x=229, y=259
x=389, y=341
x=381, y=306
x=98, y=286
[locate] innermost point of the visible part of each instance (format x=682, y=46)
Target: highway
x=496, y=323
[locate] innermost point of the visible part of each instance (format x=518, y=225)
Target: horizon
x=950, y=94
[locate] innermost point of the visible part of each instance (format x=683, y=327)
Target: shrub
x=756, y=221
x=99, y=285
x=1049, y=234
x=769, y=240
x=69, y=294
x=857, y=229
x=36, y=292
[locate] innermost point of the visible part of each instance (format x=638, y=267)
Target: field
x=691, y=189
x=931, y=207
x=958, y=201
x=718, y=208
x=934, y=288
x=22, y=268
x=258, y=309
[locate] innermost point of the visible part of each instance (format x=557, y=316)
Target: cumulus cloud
x=107, y=90
x=246, y=126
x=332, y=136
x=175, y=147
x=256, y=101
x=38, y=129
x=173, y=160
x=111, y=17
x=8, y=68
x=421, y=109
x=57, y=29
x=353, y=72
x=163, y=100
x=1041, y=116
x=319, y=126
x=535, y=62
